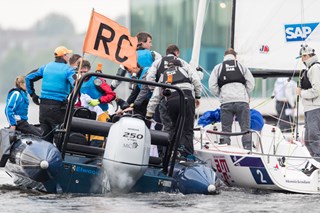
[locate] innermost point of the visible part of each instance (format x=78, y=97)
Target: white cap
x=305, y=50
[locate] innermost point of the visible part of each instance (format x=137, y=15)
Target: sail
x=268, y=34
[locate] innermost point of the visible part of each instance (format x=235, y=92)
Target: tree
x=14, y=64
x=54, y=24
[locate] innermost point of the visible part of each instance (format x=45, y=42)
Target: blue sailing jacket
x=17, y=104
x=57, y=80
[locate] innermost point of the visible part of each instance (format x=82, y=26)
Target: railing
x=229, y=134
x=283, y=153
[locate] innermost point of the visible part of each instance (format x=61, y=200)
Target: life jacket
x=164, y=65
x=92, y=88
x=304, y=80
x=230, y=73
x=145, y=58
x=175, y=75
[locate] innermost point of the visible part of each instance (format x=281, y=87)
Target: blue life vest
x=89, y=88
x=145, y=58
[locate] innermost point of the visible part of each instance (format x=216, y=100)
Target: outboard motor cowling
x=127, y=152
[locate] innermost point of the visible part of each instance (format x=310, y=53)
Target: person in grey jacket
x=154, y=73
x=189, y=82
x=161, y=64
x=309, y=92
x=233, y=83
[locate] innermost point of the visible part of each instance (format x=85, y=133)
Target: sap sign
x=299, y=32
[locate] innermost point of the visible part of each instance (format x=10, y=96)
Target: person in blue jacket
x=57, y=81
x=16, y=110
x=145, y=56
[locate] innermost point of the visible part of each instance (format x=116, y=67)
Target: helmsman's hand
x=197, y=103
x=298, y=91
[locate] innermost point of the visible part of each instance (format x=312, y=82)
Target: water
x=15, y=199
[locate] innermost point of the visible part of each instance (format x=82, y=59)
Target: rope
x=43, y=137
x=263, y=102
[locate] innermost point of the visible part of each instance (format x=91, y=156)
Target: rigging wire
x=302, y=16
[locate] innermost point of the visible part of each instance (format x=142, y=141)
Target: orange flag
x=107, y=39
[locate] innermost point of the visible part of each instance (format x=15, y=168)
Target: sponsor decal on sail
x=299, y=32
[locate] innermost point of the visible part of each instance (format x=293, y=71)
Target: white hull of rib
x=274, y=163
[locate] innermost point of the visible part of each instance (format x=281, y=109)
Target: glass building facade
x=173, y=22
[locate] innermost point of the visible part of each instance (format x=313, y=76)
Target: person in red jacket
x=95, y=94
x=95, y=91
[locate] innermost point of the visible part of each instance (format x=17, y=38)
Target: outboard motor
x=127, y=153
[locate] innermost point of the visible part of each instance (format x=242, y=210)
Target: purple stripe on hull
x=247, y=161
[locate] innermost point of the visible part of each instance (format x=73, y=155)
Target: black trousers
x=51, y=116
x=26, y=128
x=173, y=105
x=141, y=109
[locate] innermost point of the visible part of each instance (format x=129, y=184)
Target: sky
x=22, y=14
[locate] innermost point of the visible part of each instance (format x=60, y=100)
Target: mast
x=194, y=62
x=233, y=22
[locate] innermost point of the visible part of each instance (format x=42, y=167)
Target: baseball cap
x=305, y=50
x=61, y=50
